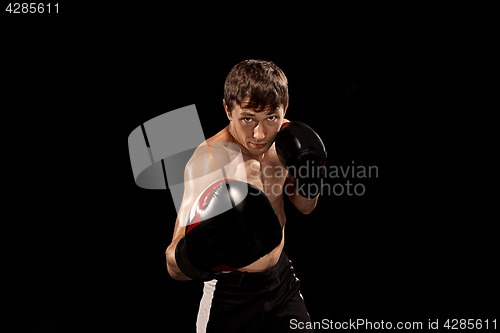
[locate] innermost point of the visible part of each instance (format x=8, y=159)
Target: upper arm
x=202, y=169
x=197, y=166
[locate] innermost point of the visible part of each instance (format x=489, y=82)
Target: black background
x=85, y=246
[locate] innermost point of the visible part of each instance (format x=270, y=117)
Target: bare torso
x=268, y=174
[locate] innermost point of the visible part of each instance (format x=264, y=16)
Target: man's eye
x=247, y=120
x=272, y=118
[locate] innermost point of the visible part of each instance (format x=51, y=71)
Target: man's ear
x=286, y=108
x=228, y=113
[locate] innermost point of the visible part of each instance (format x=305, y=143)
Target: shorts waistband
x=258, y=279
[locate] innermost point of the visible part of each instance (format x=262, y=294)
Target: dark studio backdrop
x=88, y=249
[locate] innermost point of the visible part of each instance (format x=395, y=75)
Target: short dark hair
x=262, y=81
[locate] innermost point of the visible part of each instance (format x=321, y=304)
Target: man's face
x=255, y=131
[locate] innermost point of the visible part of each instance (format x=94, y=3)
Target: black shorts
x=253, y=302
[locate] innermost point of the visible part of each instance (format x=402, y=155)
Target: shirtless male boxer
x=230, y=229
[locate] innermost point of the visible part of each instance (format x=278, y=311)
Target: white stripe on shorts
x=205, y=305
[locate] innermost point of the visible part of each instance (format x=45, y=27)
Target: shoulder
x=222, y=136
x=202, y=156
x=210, y=156
x=285, y=121
x=199, y=164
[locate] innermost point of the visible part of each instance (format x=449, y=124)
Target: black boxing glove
x=231, y=225
x=303, y=153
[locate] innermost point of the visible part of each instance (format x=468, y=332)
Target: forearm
x=304, y=205
x=172, y=267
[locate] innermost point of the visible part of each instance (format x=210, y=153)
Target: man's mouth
x=258, y=146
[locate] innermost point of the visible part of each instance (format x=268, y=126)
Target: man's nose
x=258, y=133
